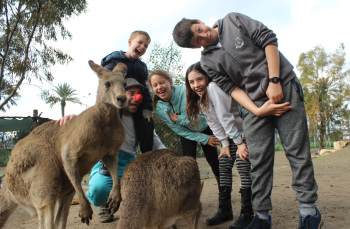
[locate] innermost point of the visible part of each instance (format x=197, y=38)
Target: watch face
x=275, y=80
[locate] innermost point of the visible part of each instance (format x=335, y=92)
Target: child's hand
x=148, y=115
x=269, y=108
x=213, y=141
x=242, y=151
x=65, y=119
x=225, y=152
x=274, y=92
x=173, y=116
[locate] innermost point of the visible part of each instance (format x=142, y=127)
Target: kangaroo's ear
x=120, y=67
x=96, y=68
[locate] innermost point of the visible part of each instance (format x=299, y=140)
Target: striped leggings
x=225, y=169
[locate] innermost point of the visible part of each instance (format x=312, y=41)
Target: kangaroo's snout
x=121, y=100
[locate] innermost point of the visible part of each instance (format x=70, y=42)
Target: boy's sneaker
x=258, y=223
x=311, y=221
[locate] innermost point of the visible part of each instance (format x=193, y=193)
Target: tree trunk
x=63, y=105
x=322, y=133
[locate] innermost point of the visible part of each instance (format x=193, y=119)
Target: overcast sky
x=300, y=25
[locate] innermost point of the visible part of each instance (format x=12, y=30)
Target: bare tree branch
x=25, y=61
x=9, y=38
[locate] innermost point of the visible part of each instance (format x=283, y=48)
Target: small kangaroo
x=157, y=189
x=46, y=167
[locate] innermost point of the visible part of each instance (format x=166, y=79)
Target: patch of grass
x=313, y=145
x=316, y=145
x=278, y=147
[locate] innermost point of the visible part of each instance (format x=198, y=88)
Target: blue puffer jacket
x=182, y=126
x=136, y=69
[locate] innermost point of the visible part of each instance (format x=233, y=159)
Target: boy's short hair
x=182, y=33
x=139, y=32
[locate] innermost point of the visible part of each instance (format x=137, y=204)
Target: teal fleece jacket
x=182, y=126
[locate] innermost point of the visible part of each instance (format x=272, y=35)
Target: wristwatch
x=238, y=141
x=275, y=79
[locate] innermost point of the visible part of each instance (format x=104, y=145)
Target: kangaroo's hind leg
x=192, y=218
x=63, y=205
x=7, y=206
x=45, y=189
x=46, y=216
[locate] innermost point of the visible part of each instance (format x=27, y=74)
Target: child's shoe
x=258, y=223
x=247, y=213
x=311, y=221
x=224, y=212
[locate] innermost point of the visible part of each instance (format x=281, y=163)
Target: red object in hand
x=138, y=98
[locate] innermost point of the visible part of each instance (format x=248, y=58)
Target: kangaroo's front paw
x=85, y=213
x=114, y=200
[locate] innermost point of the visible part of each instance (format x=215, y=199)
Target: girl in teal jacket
x=170, y=106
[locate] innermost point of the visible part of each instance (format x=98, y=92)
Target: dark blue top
x=136, y=69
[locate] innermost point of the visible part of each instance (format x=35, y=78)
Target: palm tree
x=61, y=93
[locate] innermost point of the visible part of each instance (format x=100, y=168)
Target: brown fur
x=158, y=188
x=46, y=167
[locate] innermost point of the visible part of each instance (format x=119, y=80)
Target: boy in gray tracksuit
x=241, y=53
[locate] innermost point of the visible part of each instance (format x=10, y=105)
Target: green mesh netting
x=16, y=124
x=11, y=130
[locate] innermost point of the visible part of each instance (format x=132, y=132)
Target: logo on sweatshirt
x=239, y=42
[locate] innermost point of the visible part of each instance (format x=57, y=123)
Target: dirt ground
x=332, y=174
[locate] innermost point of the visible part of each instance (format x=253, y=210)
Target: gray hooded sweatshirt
x=238, y=60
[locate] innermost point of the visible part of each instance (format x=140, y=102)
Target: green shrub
x=4, y=156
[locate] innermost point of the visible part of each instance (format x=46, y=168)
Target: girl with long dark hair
x=223, y=119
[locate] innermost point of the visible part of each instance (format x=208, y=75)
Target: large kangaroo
x=46, y=167
x=157, y=189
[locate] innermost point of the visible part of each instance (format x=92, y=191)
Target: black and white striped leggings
x=243, y=167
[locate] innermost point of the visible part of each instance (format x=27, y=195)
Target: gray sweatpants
x=293, y=132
